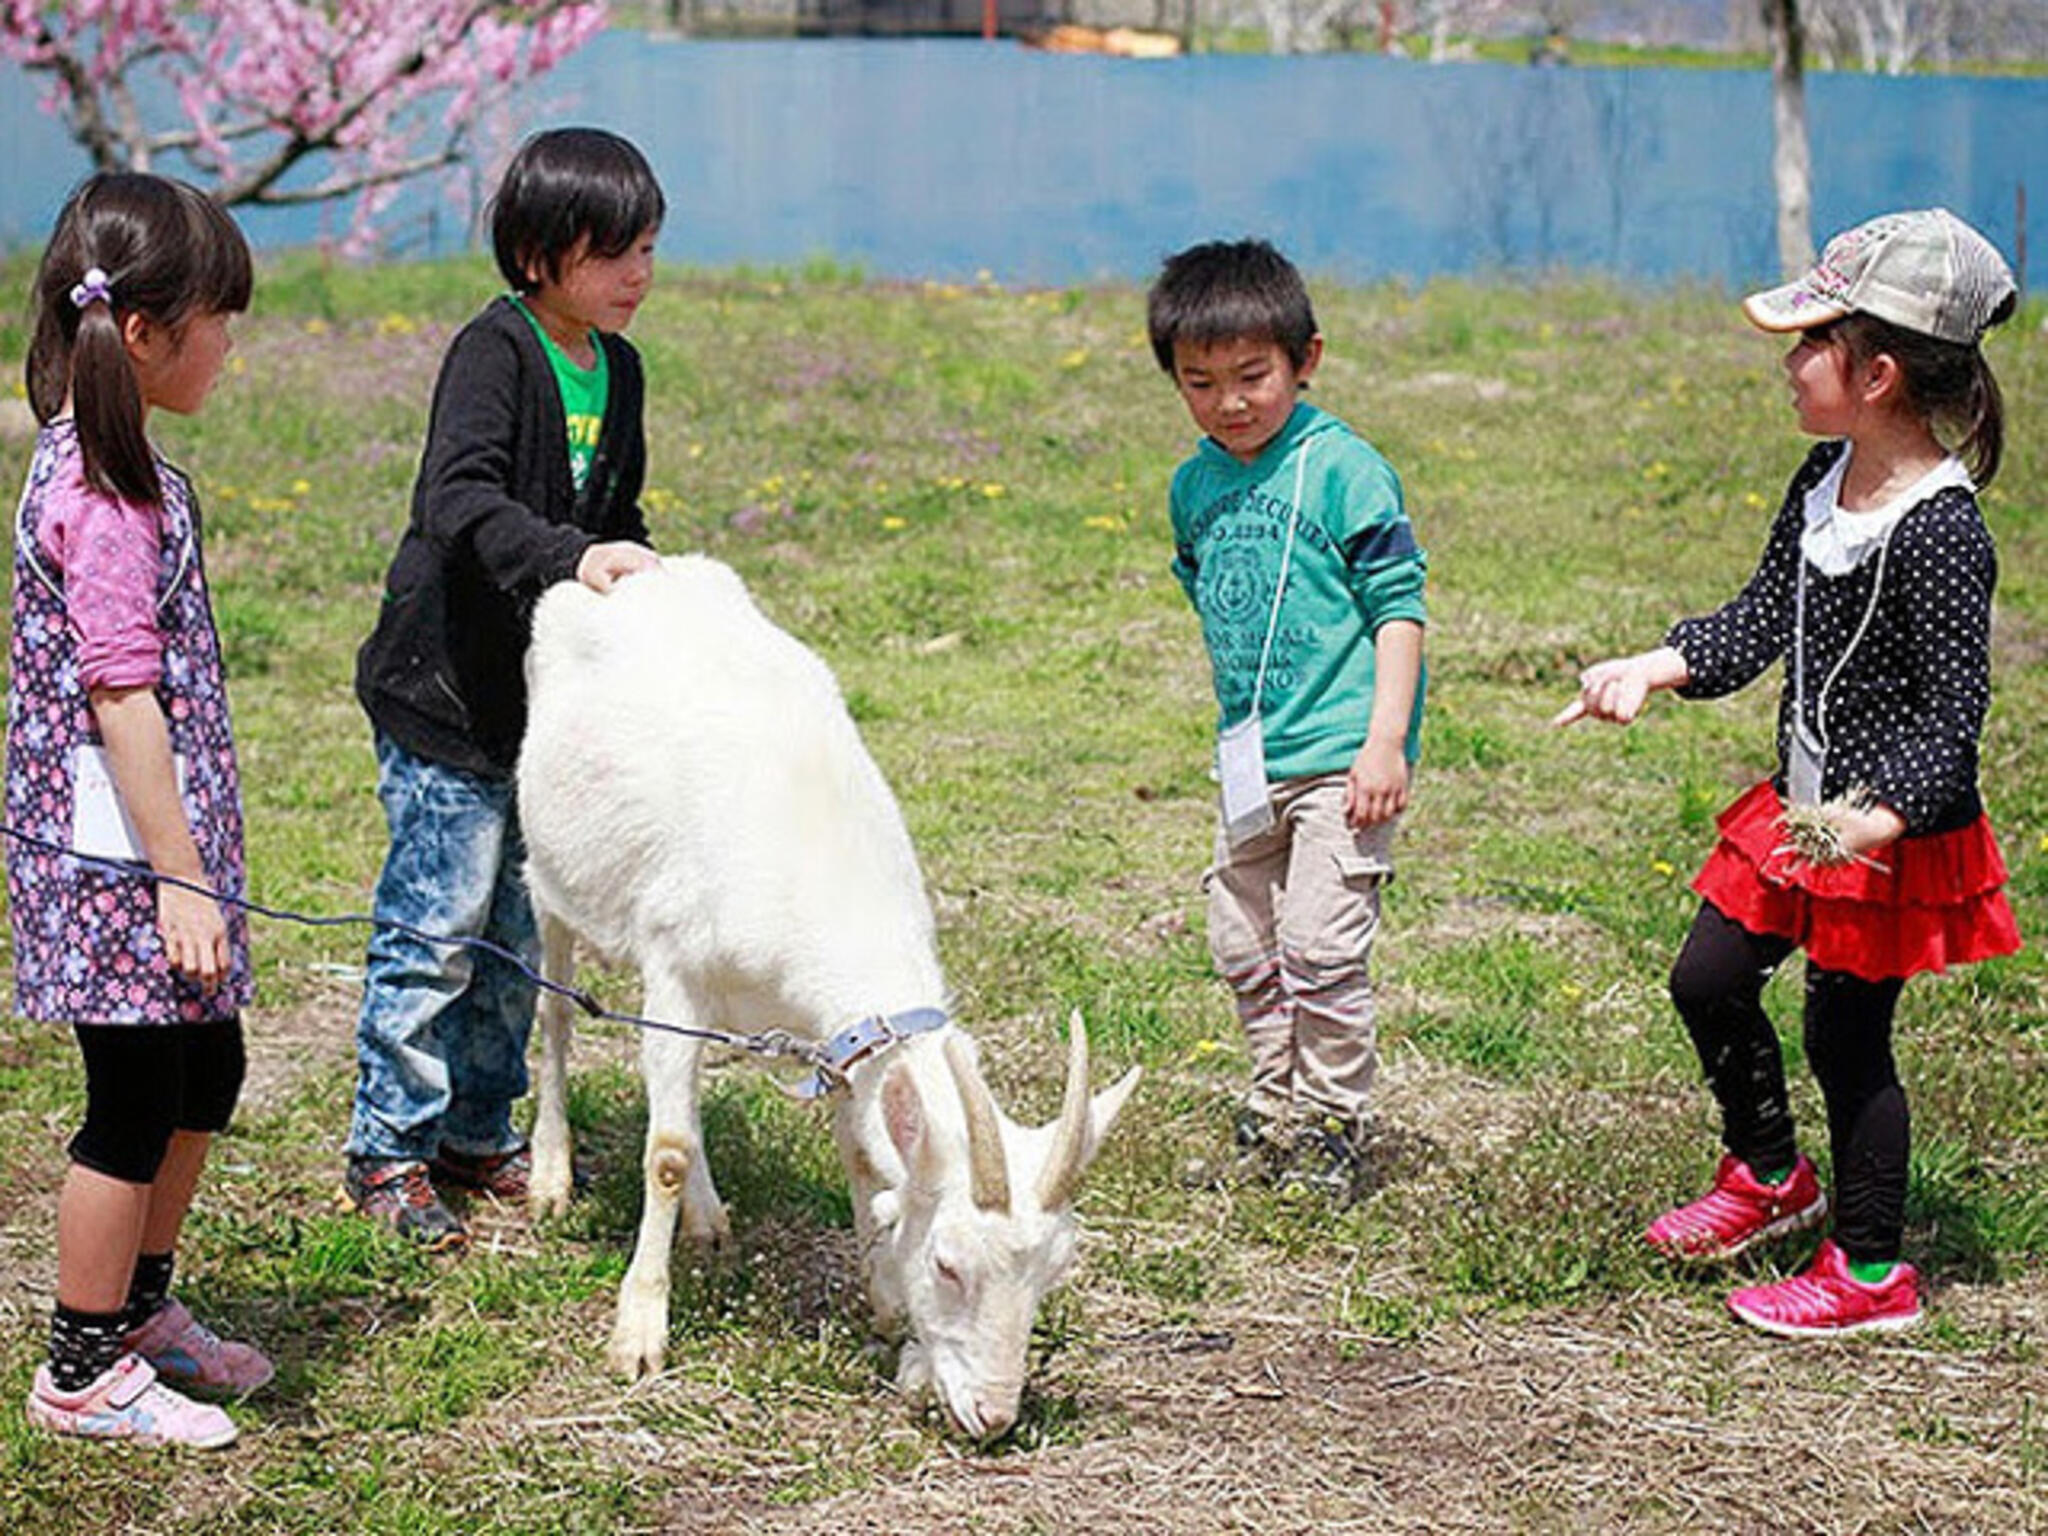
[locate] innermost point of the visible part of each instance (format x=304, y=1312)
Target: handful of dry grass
x=1814, y=832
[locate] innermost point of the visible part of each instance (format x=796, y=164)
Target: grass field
x=957, y=496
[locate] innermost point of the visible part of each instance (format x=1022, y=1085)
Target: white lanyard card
x=1241, y=765
x=100, y=827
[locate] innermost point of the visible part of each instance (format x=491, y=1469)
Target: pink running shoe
x=192, y=1357
x=1825, y=1299
x=127, y=1402
x=1740, y=1210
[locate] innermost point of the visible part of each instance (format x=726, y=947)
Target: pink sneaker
x=1740, y=1210
x=127, y=1402
x=1825, y=1299
x=191, y=1356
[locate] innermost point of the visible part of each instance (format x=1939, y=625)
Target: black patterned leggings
x=1717, y=984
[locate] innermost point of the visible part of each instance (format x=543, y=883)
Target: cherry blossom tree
x=364, y=94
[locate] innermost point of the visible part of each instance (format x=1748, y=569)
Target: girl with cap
x=1868, y=847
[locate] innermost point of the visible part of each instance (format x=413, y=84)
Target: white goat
x=697, y=802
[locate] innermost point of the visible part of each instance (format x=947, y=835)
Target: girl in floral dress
x=119, y=753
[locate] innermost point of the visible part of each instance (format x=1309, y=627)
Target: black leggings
x=1718, y=984
x=144, y=1081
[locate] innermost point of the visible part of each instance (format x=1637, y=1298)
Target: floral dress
x=86, y=946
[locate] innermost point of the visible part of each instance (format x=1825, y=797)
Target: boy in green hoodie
x=1292, y=543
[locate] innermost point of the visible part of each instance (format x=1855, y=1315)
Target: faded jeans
x=441, y=1039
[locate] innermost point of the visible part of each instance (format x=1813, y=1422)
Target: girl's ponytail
x=126, y=243
x=1982, y=444
x=106, y=403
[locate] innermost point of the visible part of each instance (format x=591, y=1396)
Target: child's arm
x=1377, y=790
x=138, y=745
x=1617, y=690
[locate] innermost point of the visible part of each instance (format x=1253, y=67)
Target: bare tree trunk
x=1791, y=164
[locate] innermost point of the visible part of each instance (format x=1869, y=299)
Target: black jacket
x=496, y=520
x=1909, y=660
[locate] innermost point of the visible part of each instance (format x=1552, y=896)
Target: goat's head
x=980, y=1229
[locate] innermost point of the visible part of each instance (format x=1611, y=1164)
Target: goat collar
x=860, y=1040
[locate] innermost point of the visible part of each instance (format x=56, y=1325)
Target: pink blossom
x=262, y=85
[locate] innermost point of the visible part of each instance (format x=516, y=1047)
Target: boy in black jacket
x=531, y=475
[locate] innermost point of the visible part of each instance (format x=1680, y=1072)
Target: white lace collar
x=1835, y=541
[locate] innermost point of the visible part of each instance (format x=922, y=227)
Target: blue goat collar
x=860, y=1040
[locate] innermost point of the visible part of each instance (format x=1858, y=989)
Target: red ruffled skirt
x=1938, y=901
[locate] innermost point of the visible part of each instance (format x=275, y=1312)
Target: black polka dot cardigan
x=1904, y=714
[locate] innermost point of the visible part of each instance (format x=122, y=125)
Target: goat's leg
x=677, y=1182
x=548, y=1193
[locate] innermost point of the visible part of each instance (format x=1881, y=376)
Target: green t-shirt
x=1355, y=567
x=584, y=393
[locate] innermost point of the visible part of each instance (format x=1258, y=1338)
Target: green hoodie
x=1355, y=567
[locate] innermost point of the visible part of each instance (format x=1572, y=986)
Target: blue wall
x=940, y=158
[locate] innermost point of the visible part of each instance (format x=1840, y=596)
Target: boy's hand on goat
x=604, y=566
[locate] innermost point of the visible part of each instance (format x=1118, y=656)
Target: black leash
x=774, y=1042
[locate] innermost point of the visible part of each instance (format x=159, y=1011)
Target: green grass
x=955, y=493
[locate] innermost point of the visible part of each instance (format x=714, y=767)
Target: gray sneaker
x=1326, y=1160
x=399, y=1193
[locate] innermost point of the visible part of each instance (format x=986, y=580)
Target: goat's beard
x=914, y=1373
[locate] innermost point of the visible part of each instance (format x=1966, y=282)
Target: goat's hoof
x=630, y=1360
x=539, y=1207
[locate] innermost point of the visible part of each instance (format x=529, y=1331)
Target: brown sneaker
x=398, y=1193
x=505, y=1176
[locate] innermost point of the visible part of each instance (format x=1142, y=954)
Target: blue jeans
x=441, y=1040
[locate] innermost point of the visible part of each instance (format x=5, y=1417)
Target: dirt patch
x=1634, y=1418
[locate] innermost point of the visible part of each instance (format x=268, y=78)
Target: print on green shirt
x=584, y=393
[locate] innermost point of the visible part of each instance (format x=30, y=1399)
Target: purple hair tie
x=93, y=288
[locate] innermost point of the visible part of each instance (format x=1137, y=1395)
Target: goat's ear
x=903, y=1114
x=1107, y=1105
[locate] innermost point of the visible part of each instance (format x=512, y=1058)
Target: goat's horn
x=986, y=1165
x=1068, y=1158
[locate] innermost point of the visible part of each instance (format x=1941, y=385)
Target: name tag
x=1241, y=767
x=1805, y=768
x=100, y=827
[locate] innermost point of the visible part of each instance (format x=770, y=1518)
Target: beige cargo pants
x=1292, y=917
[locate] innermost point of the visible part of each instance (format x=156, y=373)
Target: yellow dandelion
x=1207, y=1048
x=696, y=450
x=395, y=324
x=1657, y=471
x=237, y=366
x=1752, y=500
x=893, y=523
x=316, y=327
x=1105, y=522
x=1663, y=867
x=991, y=490
x=1075, y=359
x=301, y=487
x=2044, y=842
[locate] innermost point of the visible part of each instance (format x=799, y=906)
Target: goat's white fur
x=696, y=801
